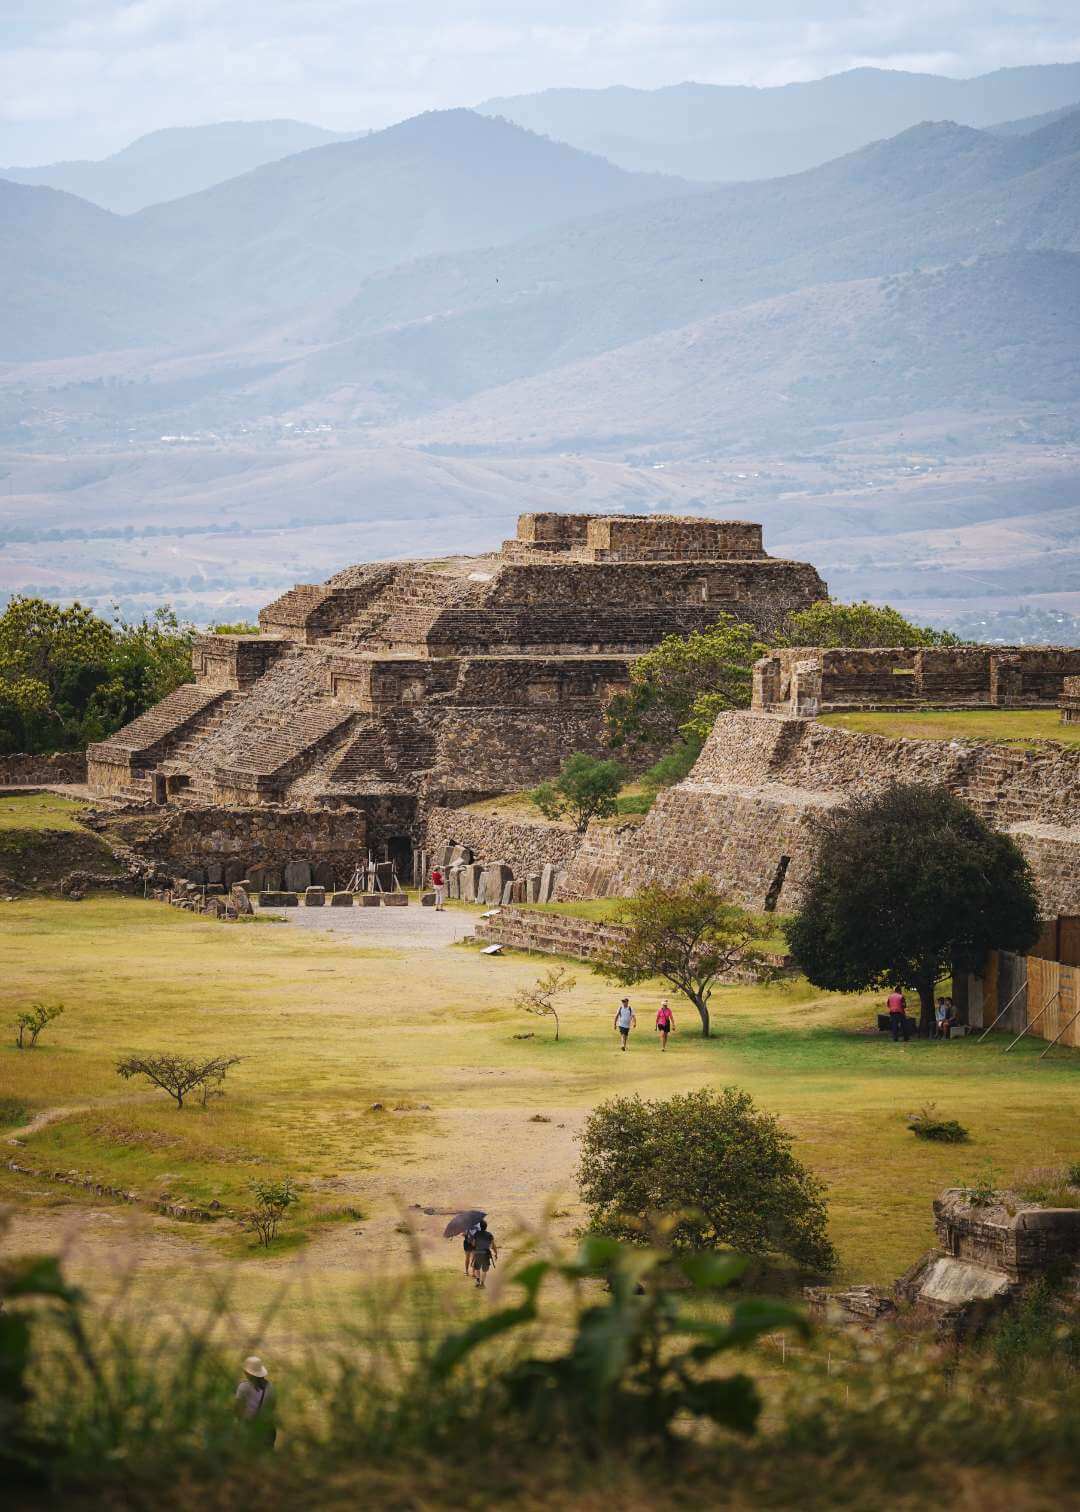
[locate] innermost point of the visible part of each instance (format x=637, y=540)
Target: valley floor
x=388, y=1081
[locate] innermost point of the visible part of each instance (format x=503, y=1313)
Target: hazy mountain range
x=180, y=160
x=250, y=384
x=710, y=131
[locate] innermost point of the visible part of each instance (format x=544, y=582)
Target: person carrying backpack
x=625, y=1020
x=485, y=1253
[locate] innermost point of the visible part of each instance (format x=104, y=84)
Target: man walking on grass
x=625, y=1020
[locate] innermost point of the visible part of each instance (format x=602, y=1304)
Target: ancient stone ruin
x=400, y=684
x=805, y=681
x=990, y=1247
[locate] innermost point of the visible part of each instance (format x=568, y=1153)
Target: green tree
x=67, y=676
x=585, y=789
x=239, y=627
x=712, y=1167
x=688, y=935
x=905, y=883
x=680, y=686
x=30, y=1022
x=828, y=624
x=178, y=1074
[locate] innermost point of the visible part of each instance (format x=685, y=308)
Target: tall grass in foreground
x=615, y=1355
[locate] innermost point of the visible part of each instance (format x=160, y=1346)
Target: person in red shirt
x=665, y=1023
x=898, y=1021
x=438, y=882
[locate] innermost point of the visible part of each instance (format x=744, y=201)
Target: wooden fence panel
x=1044, y=980
x=1069, y=940
x=1070, y=1002
x=1013, y=972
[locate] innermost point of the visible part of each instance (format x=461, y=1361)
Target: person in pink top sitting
x=665, y=1023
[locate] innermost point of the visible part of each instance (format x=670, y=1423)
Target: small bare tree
x=540, y=997
x=178, y=1074
x=30, y=1023
x=273, y=1199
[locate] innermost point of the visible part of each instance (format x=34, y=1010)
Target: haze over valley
x=394, y=341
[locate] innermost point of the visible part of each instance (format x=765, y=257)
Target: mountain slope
x=999, y=332
x=72, y=280
x=733, y=132
x=313, y=226
x=440, y=330
x=181, y=160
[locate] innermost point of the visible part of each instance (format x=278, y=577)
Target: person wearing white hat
x=255, y=1398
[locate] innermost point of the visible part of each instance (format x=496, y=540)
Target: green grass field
x=471, y=1112
x=1012, y=726
x=40, y=811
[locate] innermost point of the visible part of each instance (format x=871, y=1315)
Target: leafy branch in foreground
x=178, y=1074
x=639, y=1359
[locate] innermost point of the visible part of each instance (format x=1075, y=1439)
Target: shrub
x=30, y=1023
x=273, y=1199
x=926, y=1124
x=541, y=997
x=584, y=790
x=712, y=1166
x=179, y=1074
x=13, y=1112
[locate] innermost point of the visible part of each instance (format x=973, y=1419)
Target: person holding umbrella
x=485, y=1253
x=467, y=1224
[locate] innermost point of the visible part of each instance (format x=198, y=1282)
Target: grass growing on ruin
x=1011, y=726
x=328, y=1028
x=39, y=811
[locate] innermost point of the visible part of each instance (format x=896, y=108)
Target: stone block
x=270, y=899
x=395, y=900
x=368, y=900
x=341, y=900
x=493, y=879
x=213, y=889
x=197, y=874
x=297, y=876
x=461, y=855
x=470, y=882
x=240, y=901
x=547, y=883
x=532, y=888
x=507, y=894
x=322, y=874
x=215, y=872
x=235, y=871
x=288, y=900
x=453, y=882
x=443, y=854
x=427, y=900
x=314, y=897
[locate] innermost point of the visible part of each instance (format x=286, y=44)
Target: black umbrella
x=463, y=1222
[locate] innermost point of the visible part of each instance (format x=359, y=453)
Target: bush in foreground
x=711, y=1167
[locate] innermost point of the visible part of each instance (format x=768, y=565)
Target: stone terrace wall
x=191, y=841
x=29, y=770
x=746, y=813
x=525, y=846
x=949, y=676
x=550, y=933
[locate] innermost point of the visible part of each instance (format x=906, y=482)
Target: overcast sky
x=80, y=78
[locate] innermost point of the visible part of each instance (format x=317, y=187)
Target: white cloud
x=82, y=77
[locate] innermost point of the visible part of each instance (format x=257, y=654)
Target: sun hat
x=253, y=1366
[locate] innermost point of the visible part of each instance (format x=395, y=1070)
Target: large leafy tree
x=714, y=1167
x=829, y=624
x=906, y=882
x=67, y=676
x=688, y=935
x=680, y=686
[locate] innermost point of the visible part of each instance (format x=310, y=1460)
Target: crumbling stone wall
x=942, y=676
x=525, y=846
x=30, y=770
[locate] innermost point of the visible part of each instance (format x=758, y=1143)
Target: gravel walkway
x=410, y=928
